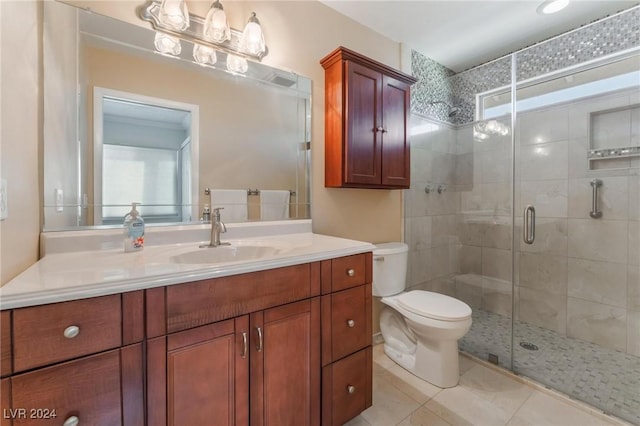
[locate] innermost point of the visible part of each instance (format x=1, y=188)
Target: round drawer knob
x=71, y=332
x=351, y=272
x=351, y=323
x=351, y=389
x=71, y=421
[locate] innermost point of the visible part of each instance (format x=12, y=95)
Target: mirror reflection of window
x=146, y=157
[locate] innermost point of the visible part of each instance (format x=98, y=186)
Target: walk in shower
x=526, y=205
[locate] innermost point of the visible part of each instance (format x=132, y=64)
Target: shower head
x=452, y=111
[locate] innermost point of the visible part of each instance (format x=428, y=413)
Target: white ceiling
x=461, y=34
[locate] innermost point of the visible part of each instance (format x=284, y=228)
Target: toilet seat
x=434, y=305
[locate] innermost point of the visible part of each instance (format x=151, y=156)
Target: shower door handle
x=529, y=226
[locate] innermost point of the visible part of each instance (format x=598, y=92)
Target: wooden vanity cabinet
x=257, y=362
x=286, y=346
x=81, y=359
x=6, y=361
x=346, y=338
x=367, y=106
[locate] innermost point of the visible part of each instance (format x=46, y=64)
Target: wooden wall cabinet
x=367, y=107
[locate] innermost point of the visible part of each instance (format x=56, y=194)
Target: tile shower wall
x=578, y=277
x=430, y=218
x=433, y=85
x=484, y=221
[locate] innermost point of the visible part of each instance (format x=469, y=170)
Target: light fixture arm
x=194, y=33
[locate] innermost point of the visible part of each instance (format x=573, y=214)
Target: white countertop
x=66, y=276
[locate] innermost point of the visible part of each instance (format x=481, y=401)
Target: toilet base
x=437, y=362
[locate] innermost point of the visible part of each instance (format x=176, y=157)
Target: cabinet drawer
x=204, y=302
x=350, y=321
x=39, y=332
x=88, y=389
x=349, y=271
x=347, y=388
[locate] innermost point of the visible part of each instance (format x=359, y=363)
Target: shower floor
x=604, y=378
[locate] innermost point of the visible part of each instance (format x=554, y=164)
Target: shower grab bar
x=595, y=213
x=529, y=228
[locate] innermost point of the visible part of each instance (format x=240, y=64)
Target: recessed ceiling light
x=552, y=6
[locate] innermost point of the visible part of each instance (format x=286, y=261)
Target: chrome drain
x=529, y=346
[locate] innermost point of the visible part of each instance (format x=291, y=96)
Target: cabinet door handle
x=71, y=421
x=380, y=129
x=351, y=272
x=245, y=345
x=259, y=347
x=351, y=389
x=71, y=331
x=351, y=323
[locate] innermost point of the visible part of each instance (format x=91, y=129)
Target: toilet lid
x=434, y=305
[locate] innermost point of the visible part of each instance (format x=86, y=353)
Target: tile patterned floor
x=604, y=378
x=486, y=395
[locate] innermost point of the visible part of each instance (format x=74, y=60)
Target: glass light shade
x=252, y=39
x=204, y=55
x=167, y=44
x=174, y=14
x=216, y=25
x=237, y=64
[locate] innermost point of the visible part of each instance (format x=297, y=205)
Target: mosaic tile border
x=436, y=82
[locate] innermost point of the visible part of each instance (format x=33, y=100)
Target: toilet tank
x=389, y=268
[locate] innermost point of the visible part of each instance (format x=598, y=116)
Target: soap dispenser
x=133, y=230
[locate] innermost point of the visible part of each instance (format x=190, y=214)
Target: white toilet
x=420, y=328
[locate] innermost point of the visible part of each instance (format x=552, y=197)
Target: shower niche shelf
x=614, y=136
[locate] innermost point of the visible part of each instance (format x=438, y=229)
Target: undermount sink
x=225, y=253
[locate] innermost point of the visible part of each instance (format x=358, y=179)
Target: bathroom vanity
x=281, y=337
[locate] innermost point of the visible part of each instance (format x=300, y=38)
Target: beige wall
x=298, y=33
x=19, y=134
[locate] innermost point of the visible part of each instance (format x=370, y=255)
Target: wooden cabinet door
x=395, y=141
x=363, y=148
x=207, y=379
x=285, y=365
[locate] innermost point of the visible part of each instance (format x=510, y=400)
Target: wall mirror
x=122, y=121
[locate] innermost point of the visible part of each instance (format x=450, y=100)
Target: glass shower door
x=577, y=234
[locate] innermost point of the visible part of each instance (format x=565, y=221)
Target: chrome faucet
x=217, y=227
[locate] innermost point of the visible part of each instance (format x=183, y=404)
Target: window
x=594, y=80
x=145, y=175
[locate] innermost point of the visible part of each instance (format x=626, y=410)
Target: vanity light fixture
x=552, y=6
x=174, y=14
x=204, y=55
x=166, y=44
x=207, y=32
x=252, y=40
x=237, y=64
x=216, y=24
